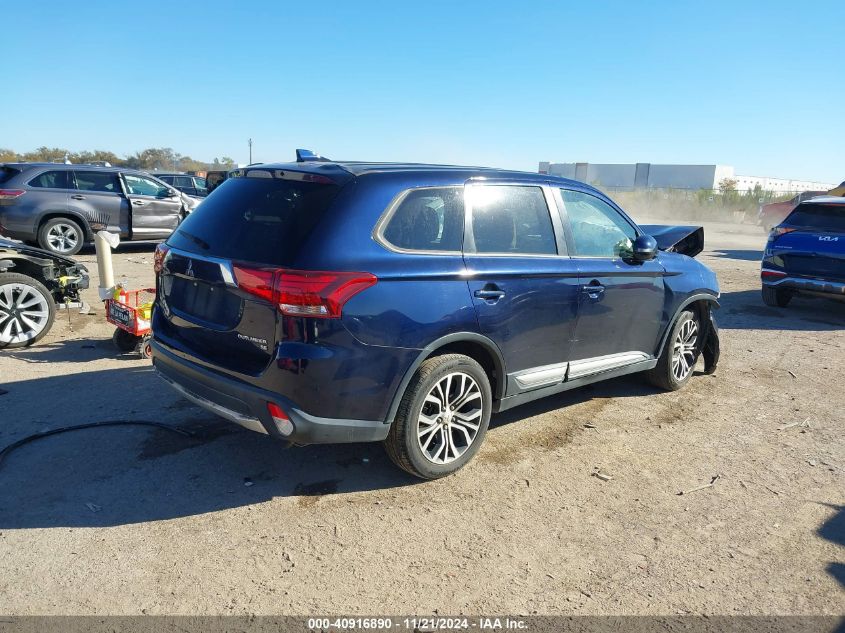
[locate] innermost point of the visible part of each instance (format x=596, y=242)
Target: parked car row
x=60, y=207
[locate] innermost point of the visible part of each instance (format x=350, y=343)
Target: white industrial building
x=694, y=177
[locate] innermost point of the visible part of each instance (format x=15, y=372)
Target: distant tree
x=95, y=156
x=46, y=155
x=727, y=185
x=227, y=161
x=153, y=158
x=7, y=155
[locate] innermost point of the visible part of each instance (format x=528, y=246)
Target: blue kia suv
x=321, y=301
x=805, y=254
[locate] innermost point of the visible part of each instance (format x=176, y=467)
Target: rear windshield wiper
x=196, y=240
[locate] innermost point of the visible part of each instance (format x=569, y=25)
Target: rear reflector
x=772, y=274
x=306, y=293
x=11, y=194
x=280, y=418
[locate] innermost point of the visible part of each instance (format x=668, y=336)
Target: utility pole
x=249, y=142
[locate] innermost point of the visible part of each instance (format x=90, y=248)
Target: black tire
x=664, y=373
x=124, y=341
x=49, y=236
x=776, y=297
x=24, y=327
x=144, y=348
x=404, y=445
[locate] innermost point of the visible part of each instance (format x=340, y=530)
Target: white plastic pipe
x=104, y=242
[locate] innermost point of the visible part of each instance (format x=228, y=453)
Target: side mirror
x=645, y=248
x=171, y=193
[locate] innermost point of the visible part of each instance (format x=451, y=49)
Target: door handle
x=489, y=294
x=593, y=290
x=78, y=197
x=138, y=203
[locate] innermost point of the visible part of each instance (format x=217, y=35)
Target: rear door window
x=508, y=219
x=262, y=220
x=819, y=217
x=51, y=180
x=427, y=220
x=104, y=181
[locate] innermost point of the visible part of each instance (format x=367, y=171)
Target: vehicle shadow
x=745, y=310
x=834, y=531
x=128, y=474
x=70, y=351
x=749, y=255
x=147, y=246
x=623, y=387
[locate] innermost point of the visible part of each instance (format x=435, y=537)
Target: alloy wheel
x=450, y=417
x=684, y=352
x=24, y=313
x=63, y=238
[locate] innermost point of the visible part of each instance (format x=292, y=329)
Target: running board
x=521, y=398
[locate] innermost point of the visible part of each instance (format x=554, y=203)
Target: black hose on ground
x=90, y=425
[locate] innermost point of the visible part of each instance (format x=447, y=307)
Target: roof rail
x=307, y=156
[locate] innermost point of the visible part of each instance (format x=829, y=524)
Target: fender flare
x=84, y=222
x=699, y=296
x=434, y=346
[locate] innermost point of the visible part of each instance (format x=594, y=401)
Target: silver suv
x=60, y=207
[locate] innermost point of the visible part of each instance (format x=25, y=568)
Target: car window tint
x=6, y=173
x=199, y=182
x=182, y=181
x=428, y=220
x=51, y=180
x=511, y=219
x=820, y=217
x=598, y=230
x=97, y=181
x=140, y=186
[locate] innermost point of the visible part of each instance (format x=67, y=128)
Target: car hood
x=686, y=240
x=32, y=251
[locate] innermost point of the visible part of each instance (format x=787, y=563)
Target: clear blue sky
x=758, y=85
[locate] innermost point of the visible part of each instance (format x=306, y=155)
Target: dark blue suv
x=322, y=301
x=805, y=254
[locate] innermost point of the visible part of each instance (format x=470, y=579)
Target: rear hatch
x=215, y=281
x=812, y=241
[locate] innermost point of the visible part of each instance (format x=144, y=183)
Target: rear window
x=263, y=220
x=822, y=217
x=428, y=220
x=6, y=174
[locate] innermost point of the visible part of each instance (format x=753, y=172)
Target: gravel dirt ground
x=130, y=520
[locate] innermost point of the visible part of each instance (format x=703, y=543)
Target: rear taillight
x=308, y=293
x=767, y=274
x=780, y=230
x=11, y=194
x=159, y=257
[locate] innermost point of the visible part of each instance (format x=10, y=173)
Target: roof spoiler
x=307, y=156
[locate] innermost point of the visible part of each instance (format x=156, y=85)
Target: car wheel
x=776, y=297
x=62, y=236
x=144, y=347
x=680, y=353
x=124, y=341
x=443, y=417
x=27, y=310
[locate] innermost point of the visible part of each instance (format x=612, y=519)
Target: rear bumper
x=246, y=405
x=814, y=286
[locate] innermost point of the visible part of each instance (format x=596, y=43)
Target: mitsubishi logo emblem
x=189, y=271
